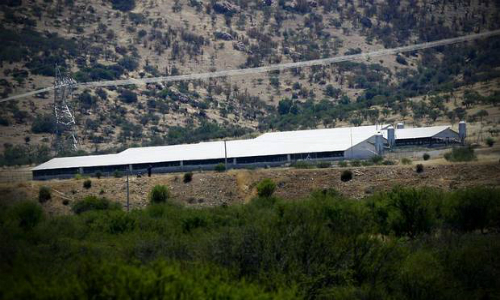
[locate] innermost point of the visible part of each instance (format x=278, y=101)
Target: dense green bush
x=26, y=214
x=377, y=159
x=266, y=188
x=123, y=5
x=87, y=184
x=346, y=175
x=159, y=194
x=220, y=167
x=490, y=141
x=43, y=124
x=44, y=194
x=324, y=164
x=91, y=203
x=188, y=177
x=342, y=164
x=474, y=209
x=402, y=244
x=426, y=156
x=419, y=168
x=460, y=154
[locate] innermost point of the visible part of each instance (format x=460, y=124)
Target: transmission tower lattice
x=65, y=129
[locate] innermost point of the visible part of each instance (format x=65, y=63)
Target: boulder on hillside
x=220, y=35
x=223, y=7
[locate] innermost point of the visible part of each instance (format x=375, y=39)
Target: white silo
x=462, y=131
x=379, y=143
x=391, y=136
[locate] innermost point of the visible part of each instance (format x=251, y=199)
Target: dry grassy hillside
x=118, y=39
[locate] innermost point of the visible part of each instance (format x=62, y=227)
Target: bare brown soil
x=238, y=186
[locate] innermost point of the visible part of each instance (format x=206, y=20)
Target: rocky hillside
x=119, y=39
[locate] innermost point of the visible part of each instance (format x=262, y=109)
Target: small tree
x=98, y=175
x=159, y=194
x=346, y=175
x=426, y=156
x=266, y=188
x=44, y=194
x=419, y=168
x=188, y=177
x=87, y=184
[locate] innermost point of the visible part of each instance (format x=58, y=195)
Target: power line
x=277, y=67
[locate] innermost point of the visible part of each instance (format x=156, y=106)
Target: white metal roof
x=415, y=133
x=274, y=143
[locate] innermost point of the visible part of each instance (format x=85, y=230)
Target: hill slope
x=102, y=40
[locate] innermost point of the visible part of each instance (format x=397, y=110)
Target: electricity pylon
x=65, y=125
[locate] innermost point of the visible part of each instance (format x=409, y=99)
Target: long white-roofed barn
x=269, y=149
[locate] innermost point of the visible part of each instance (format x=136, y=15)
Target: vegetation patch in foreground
x=402, y=244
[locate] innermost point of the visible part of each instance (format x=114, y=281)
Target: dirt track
x=238, y=186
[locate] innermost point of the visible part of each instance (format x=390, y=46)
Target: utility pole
x=225, y=155
x=128, y=199
x=65, y=125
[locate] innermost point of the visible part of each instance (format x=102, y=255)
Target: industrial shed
x=426, y=136
x=270, y=149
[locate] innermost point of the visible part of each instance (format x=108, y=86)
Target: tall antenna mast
x=65, y=129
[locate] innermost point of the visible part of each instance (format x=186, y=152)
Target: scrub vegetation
x=402, y=244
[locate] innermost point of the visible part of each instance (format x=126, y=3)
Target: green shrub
x=409, y=211
x=27, y=214
x=406, y=161
x=43, y=124
x=98, y=175
x=44, y=194
x=302, y=165
x=342, y=164
x=117, y=174
x=78, y=176
x=346, y=175
x=90, y=203
x=490, y=141
x=324, y=164
x=87, y=184
x=419, y=168
x=388, y=162
x=461, y=154
x=188, y=177
x=355, y=163
x=367, y=163
x=377, y=159
x=220, y=168
x=426, y=156
x=474, y=209
x=159, y=194
x=266, y=188
x=422, y=277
